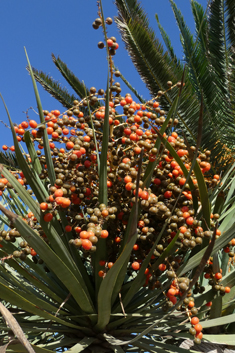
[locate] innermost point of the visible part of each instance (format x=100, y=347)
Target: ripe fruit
x=68, y=228
x=86, y=244
x=104, y=234
x=43, y=206
x=198, y=327
x=135, y=265
x=194, y=320
x=33, y=124
x=162, y=267
x=48, y=217
x=218, y=275
x=69, y=145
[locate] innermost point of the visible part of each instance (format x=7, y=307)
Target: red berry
x=162, y=267
x=48, y=217
x=167, y=194
x=218, y=275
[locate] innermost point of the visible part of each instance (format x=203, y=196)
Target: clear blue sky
x=65, y=29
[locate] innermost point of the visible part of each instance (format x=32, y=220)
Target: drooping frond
x=217, y=42
x=203, y=76
x=73, y=81
x=200, y=24
x=8, y=159
x=154, y=66
x=167, y=41
x=230, y=22
x=54, y=88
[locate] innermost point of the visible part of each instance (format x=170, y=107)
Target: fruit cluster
x=166, y=200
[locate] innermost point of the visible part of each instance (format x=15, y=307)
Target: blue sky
x=65, y=29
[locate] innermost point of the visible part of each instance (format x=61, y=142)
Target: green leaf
x=108, y=284
x=37, y=187
x=84, y=343
x=75, y=285
x=74, y=82
x=49, y=162
x=216, y=307
x=54, y=88
x=32, y=152
x=220, y=339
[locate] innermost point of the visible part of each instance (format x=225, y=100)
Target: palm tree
x=72, y=244
x=209, y=70
x=209, y=62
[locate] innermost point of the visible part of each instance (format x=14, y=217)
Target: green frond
x=54, y=88
x=73, y=81
x=154, y=66
x=9, y=160
x=167, y=41
x=230, y=15
x=217, y=42
x=201, y=25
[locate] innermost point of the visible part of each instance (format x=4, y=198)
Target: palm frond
x=154, y=66
x=9, y=160
x=201, y=24
x=74, y=82
x=54, y=88
x=230, y=22
x=217, y=42
x=166, y=40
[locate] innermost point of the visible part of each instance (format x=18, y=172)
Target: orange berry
x=84, y=234
x=68, y=228
x=227, y=289
x=69, y=145
x=110, y=264
x=86, y=244
x=199, y=335
x=58, y=193
x=33, y=124
x=43, y=206
x=135, y=265
x=66, y=202
x=162, y=267
x=194, y=320
x=104, y=234
x=101, y=273
x=171, y=291
x=198, y=327
x=218, y=275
